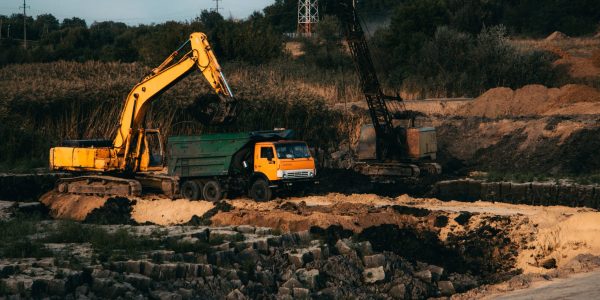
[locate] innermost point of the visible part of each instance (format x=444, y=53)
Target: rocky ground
x=331, y=246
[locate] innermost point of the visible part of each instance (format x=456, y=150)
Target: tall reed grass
x=43, y=104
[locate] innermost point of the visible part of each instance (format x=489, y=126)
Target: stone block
x=235, y=295
x=147, y=269
x=220, y=258
x=292, y=283
x=283, y=291
x=543, y=193
x=167, y=271
x=308, y=277
x=343, y=248
x=56, y=287
x=132, y=266
x=246, y=229
x=373, y=261
x=301, y=293
x=567, y=195
x=373, y=275
x=140, y=282
x=296, y=259
x=424, y=275
x=202, y=236
x=261, y=245
x=490, y=191
x=274, y=241
x=364, y=248
x=398, y=291
x=436, y=272
x=263, y=231
x=303, y=237
x=446, y=288
x=316, y=252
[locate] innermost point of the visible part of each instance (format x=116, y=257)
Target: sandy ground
x=560, y=233
x=160, y=211
x=578, y=286
x=543, y=233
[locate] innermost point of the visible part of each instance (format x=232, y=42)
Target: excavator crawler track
x=100, y=186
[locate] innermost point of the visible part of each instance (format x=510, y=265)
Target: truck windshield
x=292, y=150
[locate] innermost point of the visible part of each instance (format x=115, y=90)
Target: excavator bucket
x=216, y=109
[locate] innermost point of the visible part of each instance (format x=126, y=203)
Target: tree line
x=441, y=47
x=252, y=39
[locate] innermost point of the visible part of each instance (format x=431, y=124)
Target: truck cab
x=284, y=161
x=280, y=164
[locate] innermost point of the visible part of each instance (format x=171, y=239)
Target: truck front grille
x=298, y=174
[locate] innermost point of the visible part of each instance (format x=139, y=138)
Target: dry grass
x=580, y=55
x=569, y=45
x=67, y=100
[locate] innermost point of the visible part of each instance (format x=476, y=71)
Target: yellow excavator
x=134, y=157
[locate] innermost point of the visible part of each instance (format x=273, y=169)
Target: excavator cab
x=152, y=151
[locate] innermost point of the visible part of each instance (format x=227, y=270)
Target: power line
x=25, y=7
x=216, y=9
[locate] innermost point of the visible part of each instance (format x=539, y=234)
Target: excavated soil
x=490, y=237
x=156, y=210
x=552, y=145
x=531, y=100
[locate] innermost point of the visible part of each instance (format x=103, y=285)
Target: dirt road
x=579, y=286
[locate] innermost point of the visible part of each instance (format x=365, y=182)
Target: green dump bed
x=211, y=154
x=204, y=155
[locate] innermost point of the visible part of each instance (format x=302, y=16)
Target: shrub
x=454, y=64
x=15, y=241
x=25, y=248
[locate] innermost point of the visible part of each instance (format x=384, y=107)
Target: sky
x=132, y=12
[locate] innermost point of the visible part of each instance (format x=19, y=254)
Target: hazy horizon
x=132, y=12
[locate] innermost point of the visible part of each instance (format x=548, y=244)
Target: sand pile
x=154, y=210
x=556, y=36
x=529, y=100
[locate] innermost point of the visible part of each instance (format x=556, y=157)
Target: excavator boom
x=202, y=57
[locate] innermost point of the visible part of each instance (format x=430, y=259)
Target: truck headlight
x=280, y=173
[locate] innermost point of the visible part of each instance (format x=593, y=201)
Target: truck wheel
x=190, y=190
x=260, y=191
x=212, y=191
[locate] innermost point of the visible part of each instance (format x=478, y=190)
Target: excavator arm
x=163, y=77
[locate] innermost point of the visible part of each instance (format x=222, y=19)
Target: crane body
x=392, y=145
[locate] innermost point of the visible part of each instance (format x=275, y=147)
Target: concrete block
x=446, y=288
x=373, y=275
x=373, y=261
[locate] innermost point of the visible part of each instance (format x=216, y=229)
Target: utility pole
x=25, y=7
x=0, y=29
x=216, y=9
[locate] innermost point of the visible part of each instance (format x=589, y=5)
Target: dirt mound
x=154, y=210
x=551, y=145
x=535, y=100
x=114, y=211
x=557, y=36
